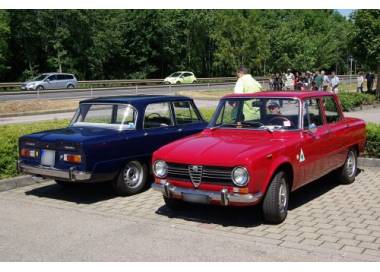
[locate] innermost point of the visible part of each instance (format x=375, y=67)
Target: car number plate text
x=195, y=198
x=47, y=157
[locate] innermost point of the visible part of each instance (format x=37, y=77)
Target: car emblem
x=195, y=172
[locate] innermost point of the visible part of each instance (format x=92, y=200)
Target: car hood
x=72, y=134
x=222, y=147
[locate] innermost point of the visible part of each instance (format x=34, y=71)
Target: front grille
x=208, y=174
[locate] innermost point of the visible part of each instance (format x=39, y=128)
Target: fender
x=279, y=160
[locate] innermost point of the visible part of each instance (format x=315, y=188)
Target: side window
x=61, y=77
x=312, y=116
x=184, y=113
x=52, y=77
x=186, y=74
x=331, y=110
x=157, y=115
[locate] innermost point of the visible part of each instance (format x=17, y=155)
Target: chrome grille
x=209, y=174
x=195, y=172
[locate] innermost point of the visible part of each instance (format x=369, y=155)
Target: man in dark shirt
x=370, y=77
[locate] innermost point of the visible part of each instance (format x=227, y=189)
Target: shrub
x=9, y=135
x=350, y=100
x=373, y=141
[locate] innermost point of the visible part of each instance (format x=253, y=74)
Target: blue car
x=110, y=139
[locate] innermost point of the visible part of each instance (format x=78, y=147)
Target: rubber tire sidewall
x=40, y=88
x=122, y=189
x=270, y=205
x=70, y=86
x=343, y=177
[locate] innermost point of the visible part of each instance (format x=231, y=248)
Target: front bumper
x=222, y=197
x=48, y=172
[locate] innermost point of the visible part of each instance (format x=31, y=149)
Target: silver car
x=51, y=81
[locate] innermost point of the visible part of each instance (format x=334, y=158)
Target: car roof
x=49, y=74
x=183, y=72
x=137, y=99
x=284, y=94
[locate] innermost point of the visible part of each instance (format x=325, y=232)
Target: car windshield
x=40, y=77
x=113, y=116
x=257, y=113
x=176, y=74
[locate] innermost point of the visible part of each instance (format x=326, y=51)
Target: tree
x=4, y=37
x=366, y=40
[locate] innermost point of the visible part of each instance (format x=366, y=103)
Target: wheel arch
x=281, y=165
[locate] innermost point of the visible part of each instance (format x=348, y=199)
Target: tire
x=178, y=82
x=173, y=204
x=195, y=82
x=40, y=88
x=132, y=179
x=276, y=200
x=347, y=172
x=70, y=86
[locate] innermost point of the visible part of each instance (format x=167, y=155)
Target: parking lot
x=326, y=221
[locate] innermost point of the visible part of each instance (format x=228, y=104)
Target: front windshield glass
x=258, y=113
x=113, y=116
x=40, y=77
x=176, y=74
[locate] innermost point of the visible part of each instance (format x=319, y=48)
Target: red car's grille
x=200, y=173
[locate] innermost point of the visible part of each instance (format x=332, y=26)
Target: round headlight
x=160, y=169
x=240, y=176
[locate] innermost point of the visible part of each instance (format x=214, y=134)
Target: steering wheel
x=281, y=118
x=152, y=114
x=253, y=123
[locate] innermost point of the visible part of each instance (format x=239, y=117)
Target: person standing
x=318, y=79
x=360, y=81
x=370, y=77
x=326, y=81
x=289, y=80
x=334, y=82
x=246, y=84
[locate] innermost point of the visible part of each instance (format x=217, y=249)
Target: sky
x=345, y=12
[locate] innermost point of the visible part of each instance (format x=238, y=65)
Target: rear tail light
x=72, y=158
x=29, y=153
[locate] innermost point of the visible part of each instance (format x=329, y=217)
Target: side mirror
x=47, y=80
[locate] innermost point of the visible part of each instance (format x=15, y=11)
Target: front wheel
x=132, y=179
x=347, y=172
x=276, y=200
x=40, y=88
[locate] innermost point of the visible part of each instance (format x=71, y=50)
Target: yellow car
x=181, y=77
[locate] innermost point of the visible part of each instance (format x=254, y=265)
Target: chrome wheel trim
x=133, y=174
x=351, y=164
x=283, y=195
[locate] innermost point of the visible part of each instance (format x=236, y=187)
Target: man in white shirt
x=289, y=80
x=360, y=80
x=334, y=82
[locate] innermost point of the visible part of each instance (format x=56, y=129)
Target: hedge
x=9, y=135
x=350, y=100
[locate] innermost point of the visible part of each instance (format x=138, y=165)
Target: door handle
x=180, y=130
x=146, y=134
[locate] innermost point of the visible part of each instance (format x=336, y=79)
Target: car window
x=185, y=113
x=331, y=110
x=312, y=115
x=52, y=77
x=157, y=115
x=187, y=74
x=61, y=77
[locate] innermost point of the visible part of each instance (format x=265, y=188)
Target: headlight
x=240, y=176
x=160, y=169
x=30, y=84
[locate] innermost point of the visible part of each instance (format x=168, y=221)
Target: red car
x=258, y=148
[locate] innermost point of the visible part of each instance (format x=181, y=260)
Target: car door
x=187, y=118
x=186, y=78
x=61, y=81
x=315, y=141
x=158, y=126
x=337, y=150
x=51, y=82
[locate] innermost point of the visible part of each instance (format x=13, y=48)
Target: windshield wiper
x=224, y=125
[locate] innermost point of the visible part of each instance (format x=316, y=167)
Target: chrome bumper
x=47, y=172
x=223, y=197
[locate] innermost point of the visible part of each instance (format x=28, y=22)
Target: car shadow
x=248, y=216
x=82, y=193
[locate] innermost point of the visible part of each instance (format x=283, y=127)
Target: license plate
x=48, y=157
x=195, y=198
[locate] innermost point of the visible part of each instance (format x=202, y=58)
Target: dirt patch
x=37, y=106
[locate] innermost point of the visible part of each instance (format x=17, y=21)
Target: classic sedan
x=258, y=148
x=110, y=139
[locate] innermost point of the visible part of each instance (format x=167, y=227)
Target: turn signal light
x=28, y=153
x=240, y=190
x=72, y=158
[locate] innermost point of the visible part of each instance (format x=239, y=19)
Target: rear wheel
x=70, y=86
x=347, y=172
x=132, y=179
x=276, y=200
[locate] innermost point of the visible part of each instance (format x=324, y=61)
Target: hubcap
x=283, y=195
x=133, y=174
x=351, y=164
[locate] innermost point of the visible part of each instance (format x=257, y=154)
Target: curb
x=368, y=162
x=20, y=181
